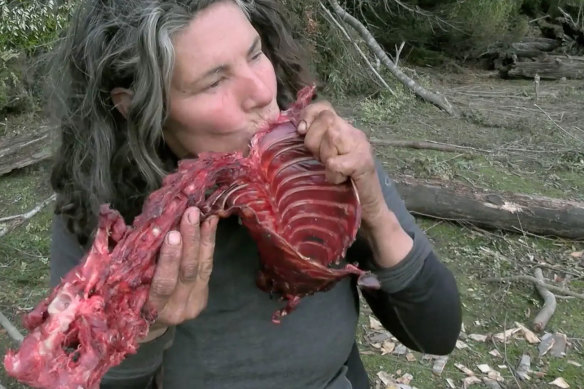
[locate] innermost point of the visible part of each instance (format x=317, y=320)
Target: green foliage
x=30, y=26
x=13, y=94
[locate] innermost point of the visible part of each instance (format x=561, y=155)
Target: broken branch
x=436, y=99
x=549, y=305
x=536, y=282
x=12, y=331
x=19, y=219
x=428, y=145
x=346, y=34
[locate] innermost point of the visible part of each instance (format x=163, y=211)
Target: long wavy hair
x=104, y=157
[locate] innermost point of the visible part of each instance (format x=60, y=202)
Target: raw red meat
x=301, y=224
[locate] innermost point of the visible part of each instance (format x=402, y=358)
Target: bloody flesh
x=301, y=225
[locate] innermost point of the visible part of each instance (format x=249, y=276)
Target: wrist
x=389, y=242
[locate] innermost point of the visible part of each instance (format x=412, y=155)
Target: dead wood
x=537, y=282
x=552, y=67
x=10, y=328
x=428, y=145
x=24, y=150
x=486, y=208
x=549, y=305
x=17, y=220
x=436, y=99
x=534, y=47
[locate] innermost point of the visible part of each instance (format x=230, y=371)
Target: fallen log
x=24, y=150
x=486, y=208
x=534, y=47
x=552, y=67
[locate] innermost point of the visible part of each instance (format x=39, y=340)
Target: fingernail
x=193, y=216
x=302, y=126
x=173, y=238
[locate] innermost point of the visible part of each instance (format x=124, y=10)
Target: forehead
x=216, y=34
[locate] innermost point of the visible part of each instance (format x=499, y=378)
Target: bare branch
x=549, y=305
x=428, y=145
x=346, y=34
x=534, y=280
x=436, y=99
x=557, y=125
x=19, y=219
x=9, y=327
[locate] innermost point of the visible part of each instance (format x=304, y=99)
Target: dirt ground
x=535, y=147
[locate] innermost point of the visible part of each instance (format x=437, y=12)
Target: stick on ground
x=536, y=282
x=19, y=219
x=12, y=331
x=549, y=303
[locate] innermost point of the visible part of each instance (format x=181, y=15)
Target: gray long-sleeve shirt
x=234, y=344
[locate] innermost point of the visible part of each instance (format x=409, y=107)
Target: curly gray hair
x=104, y=157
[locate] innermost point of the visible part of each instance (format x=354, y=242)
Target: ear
x=122, y=98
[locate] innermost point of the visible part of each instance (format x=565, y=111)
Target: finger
x=207, y=249
x=309, y=114
x=329, y=150
x=323, y=122
x=190, y=231
x=166, y=274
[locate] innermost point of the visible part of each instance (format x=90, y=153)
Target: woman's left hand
x=346, y=153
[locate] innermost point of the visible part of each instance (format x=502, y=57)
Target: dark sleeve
x=137, y=370
x=418, y=301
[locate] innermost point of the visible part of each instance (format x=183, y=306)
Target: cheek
x=215, y=113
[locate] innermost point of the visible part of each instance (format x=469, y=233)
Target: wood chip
x=494, y=352
x=506, y=336
x=478, y=337
x=439, y=365
x=495, y=375
x=400, y=350
x=574, y=363
x=528, y=334
x=559, y=348
x=461, y=345
x=491, y=384
x=560, y=383
x=410, y=357
x=522, y=371
x=547, y=341
x=387, y=347
x=385, y=378
x=405, y=379
x=468, y=381
x=464, y=369
x=577, y=254
x=374, y=324
x=450, y=383
x=484, y=368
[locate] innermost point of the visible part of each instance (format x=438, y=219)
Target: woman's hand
x=180, y=286
x=346, y=153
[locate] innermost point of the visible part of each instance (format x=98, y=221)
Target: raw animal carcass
x=302, y=225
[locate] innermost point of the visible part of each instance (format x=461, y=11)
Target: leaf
x=560, y=383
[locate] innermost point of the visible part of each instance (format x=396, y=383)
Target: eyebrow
x=223, y=67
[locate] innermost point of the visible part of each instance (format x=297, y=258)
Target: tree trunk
x=534, y=47
x=24, y=150
x=509, y=211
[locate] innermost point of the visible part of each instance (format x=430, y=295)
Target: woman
x=146, y=83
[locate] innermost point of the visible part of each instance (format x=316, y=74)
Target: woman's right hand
x=180, y=286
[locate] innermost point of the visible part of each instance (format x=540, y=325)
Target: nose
x=256, y=90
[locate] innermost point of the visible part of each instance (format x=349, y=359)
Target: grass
x=470, y=253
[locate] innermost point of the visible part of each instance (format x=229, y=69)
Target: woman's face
x=223, y=87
